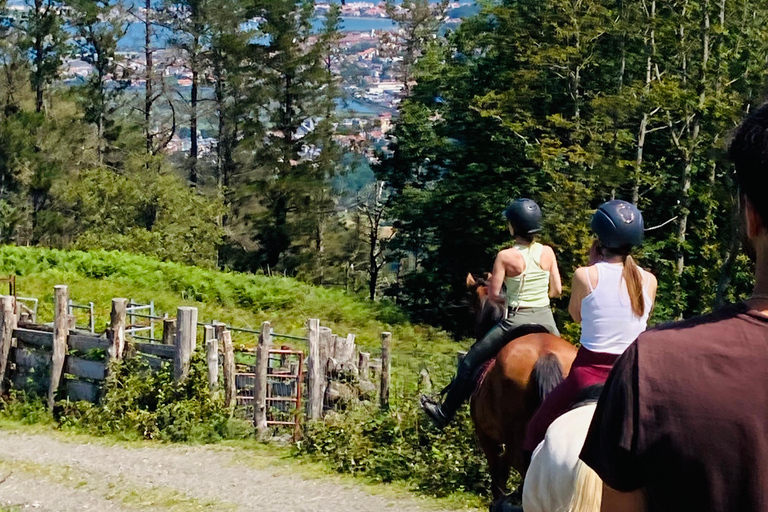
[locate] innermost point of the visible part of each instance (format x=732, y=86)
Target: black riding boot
x=463, y=385
x=459, y=391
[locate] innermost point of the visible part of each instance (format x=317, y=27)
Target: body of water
x=162, y=37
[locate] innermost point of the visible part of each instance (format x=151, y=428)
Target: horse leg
x=498, y=464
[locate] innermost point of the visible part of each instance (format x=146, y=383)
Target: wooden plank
x=245, y=380
x=7, y=325
x=212, y=358
x=80, y=390
x=117, y=328
x=29, y=358
x=169, y=331
x=260, y=379
x=315, y=371
x=86, y=343
x=155, y=349
x=36, y=327
x=184, y=341
x=60, y=335
x=230, y=389
x=85, y=369
x=386, y=365
x=34, y=338
x=363, y=366
x=155, y=363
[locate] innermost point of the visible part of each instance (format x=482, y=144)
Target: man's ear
x=754, y=223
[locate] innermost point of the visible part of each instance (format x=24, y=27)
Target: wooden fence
x=74, y=363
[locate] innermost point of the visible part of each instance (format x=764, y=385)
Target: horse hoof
x=504, y=505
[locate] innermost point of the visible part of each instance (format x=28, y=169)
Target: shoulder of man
x=690, y=328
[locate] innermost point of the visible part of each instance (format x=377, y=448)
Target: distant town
x=371, y=90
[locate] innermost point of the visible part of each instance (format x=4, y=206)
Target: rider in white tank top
x=608, y=324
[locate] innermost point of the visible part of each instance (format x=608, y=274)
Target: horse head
x=487, y=313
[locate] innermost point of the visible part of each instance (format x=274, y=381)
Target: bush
x=400, y=446
x=142, y=404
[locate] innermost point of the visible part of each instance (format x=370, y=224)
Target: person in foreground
x=612, y=299
x=682, y=423
x=529, y=271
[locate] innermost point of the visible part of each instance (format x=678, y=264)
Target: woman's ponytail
x=633, y=276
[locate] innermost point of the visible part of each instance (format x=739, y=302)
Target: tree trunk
x=148, y=86
x=39, y=57
x=193, y=116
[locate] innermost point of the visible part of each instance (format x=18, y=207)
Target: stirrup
x=434, y=412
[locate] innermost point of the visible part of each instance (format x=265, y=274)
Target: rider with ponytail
x=612, y=299
x=529, y=272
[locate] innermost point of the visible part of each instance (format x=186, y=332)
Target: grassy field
x=398, y=446
x=242, y=300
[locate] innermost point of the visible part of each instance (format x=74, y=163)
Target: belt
x=529, y=308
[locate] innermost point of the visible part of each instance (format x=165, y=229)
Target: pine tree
x=293, y=166
x=45, y=39
x=99, y=27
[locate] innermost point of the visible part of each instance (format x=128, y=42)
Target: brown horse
x=524, y=371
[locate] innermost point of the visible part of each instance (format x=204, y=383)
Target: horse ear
x=470, y=281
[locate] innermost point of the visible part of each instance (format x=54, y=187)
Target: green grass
x=242, y=300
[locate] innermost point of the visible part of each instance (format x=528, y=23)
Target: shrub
x=142, y=404
x=400, y=445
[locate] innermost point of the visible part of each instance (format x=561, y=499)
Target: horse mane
x=487, y=312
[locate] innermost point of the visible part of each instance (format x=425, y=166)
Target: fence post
x=116, y=333
x=315, y=371
x=212, y=358
x=169, y=331
x=364, y=366
x=260, y=382
x=186, y=332
x=425, y=383
x=230, y=386
x=386, y=366
x=7, y=325
x=60, y=334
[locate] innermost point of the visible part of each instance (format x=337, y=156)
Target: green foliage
x=400, y=446
x=27, y=409
x=574, y=103
x=147, y=210
x=238, y=299
x=142, y=404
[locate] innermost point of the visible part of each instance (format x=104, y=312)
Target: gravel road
x=50, y=472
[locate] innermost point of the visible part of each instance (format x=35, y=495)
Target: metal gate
x=285, y=374
x=285, y=377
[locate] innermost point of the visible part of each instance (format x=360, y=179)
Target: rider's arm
x=497, y=279
x=506, y=265
x=615, y=501
x=652, y=286
x=579, y=290
x=555, y=284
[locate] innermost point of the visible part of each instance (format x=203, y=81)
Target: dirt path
x=49, y=472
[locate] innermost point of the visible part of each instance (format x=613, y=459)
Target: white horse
x=557, y=481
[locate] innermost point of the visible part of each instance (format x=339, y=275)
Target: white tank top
x=608, y=323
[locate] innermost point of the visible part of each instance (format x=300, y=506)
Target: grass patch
x=243, y=300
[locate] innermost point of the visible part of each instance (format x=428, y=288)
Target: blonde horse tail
x=588, y=491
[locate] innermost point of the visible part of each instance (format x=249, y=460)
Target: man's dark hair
x=749, y=153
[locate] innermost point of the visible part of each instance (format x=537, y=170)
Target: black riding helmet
x=524, y=215
x=618, y=225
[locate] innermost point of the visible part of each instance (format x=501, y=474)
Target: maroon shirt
x=684, y=414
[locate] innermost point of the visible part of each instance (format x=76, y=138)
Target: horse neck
x=488, y=316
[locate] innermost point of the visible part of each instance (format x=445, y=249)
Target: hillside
x=242, y=300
